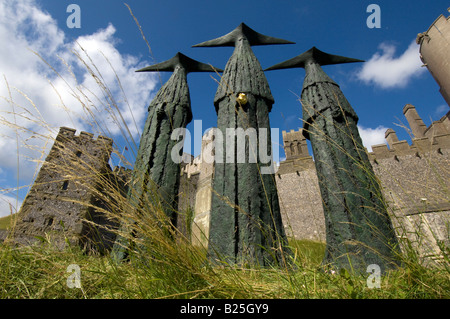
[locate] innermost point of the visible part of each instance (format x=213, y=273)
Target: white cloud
x=387, y=71
x=372, y=136
x=43, y=99
x=8, y=204
x=112, y=66
x=441, y=110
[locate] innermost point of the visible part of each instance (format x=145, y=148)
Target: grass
x=163, y=268
x=41, y=272
x=5, y=222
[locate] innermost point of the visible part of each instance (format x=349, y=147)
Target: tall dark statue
x=157, y=166
x=359, y=231
x=245, y=224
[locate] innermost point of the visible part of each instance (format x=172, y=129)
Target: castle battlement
x=193, y=167
x=67, y=133
x=83, y=148
x=419, y=147
x=435, y=138
x=197, y=165
x=294, y=144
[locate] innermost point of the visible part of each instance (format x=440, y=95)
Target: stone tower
x=64, y=201
x=415, y=122
x=294, y=144
x=196, y=190
x=435, y=53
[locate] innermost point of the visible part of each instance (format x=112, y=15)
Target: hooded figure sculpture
x=359, y=231
x=156, y=173
x=245, y=225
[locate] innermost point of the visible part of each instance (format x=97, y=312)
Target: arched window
x=299, y=148
x=292, y=147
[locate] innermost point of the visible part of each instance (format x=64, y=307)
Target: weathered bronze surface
x=359, y=231
x=245, y=225
x=155, y=170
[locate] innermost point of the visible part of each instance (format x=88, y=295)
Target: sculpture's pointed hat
x=183, y=61
x=312, y=55
x=242, y=31
x=314, y=58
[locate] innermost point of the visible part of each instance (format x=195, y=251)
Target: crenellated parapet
x=297, y=154
x=84, y=143
x=294, y=144
x=432, y=139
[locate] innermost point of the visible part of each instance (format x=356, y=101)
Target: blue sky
x=377, y=89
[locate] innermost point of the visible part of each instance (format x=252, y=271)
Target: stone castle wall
x=416, y=180
x=198, y=176
x=298, y=190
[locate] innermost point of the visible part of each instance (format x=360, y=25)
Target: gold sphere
x=242, y=99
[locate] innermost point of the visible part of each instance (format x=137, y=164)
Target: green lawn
x=181, y=271
x=5, y=222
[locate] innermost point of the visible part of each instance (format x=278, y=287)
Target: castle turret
x=63, y=201
x=415, y=122
x=294, y=144
x=391, y=137
x=435, y=53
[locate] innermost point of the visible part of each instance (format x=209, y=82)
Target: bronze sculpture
x=359, y=231
x=245, y=225
x=155, y=171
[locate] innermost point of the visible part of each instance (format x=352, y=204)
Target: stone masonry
x=69, y=197
x=195, y=190
x=434, y=47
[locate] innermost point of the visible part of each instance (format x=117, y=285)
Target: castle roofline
x=71, y=132
x=437, y=19
x=420, y=36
